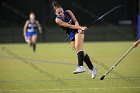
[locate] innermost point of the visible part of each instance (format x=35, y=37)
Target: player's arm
x=73, y=17
x=64, y=24
x=74, y=20
x=25, y=28
x=39, y=26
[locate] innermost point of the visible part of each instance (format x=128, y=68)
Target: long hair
x=55, y=5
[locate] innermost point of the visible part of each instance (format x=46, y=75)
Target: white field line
x=57, y=89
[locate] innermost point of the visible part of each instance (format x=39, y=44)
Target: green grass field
x=50, y=69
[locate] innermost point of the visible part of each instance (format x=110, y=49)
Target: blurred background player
x=30, y=30
x=135, y=44
x=75, y=32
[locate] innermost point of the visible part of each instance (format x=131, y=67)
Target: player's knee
x=78, y=48
x=33, y=41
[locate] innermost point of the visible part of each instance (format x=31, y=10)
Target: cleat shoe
x=79, y=69
x=94, y=72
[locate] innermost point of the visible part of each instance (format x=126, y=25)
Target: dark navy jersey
x=32, y=26
x=70, y=32
x=68, y=20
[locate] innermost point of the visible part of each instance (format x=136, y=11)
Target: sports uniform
x=70, y=32
x=32, y=29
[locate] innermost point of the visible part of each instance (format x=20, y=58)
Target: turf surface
x=49, y=69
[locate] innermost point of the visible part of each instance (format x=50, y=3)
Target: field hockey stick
x=92, y=14
x=103, y=76
x=102, y=20
x=105, y=14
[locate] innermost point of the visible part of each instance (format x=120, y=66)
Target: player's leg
x=88, y=61
x=28, y=38
x=90, y=65
x=79, y=41
x=86, y=57
x=79, y=38
x=34, y=39
x=73, y=44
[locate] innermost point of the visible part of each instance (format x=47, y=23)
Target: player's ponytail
x=55, y=5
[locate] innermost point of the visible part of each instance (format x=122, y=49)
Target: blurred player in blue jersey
x=75, y=32
x=30, y=30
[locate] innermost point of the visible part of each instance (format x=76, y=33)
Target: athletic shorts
x=30, y=34
x=71, y=35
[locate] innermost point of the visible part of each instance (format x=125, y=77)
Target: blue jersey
x=32, y=27
x=70, y=32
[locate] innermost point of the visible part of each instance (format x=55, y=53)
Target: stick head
x=102, y=78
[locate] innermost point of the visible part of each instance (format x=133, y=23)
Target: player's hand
x=135, y=44
x=40, y=30
x=80, y=31
x=84, y=28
